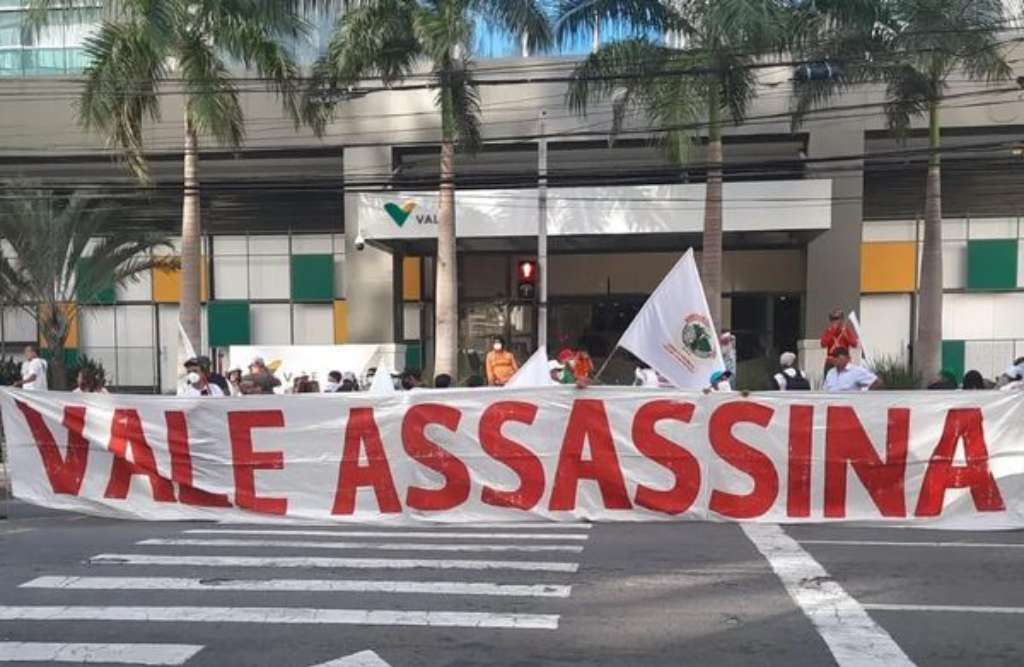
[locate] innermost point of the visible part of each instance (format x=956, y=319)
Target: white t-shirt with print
x=851, y=378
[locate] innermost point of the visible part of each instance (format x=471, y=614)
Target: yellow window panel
x=412, y=289
x=888, y=267
x=167, y=284
x=340, y=322
x=70, y=312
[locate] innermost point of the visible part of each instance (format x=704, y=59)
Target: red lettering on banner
x=961, y=425
x=744, y=458
x=524, y=463
x=181, y=465
x=64, y=472
x=678, y=460
x=126, y=433
x=246, y=461
x=847, y=443
x=361, y=431
x=588, y=422
x=798, y=477
x=456, y=476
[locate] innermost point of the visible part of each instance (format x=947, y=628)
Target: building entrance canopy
x=749, y=207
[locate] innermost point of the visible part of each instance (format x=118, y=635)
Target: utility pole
x=542, y=234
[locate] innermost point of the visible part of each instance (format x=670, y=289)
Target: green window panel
x=105, y=295
x=413, y=356
x=953, y=356
x=228, y=323
x=312, y=277
x=992, y=264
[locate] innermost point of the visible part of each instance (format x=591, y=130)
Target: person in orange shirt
x=501, y=364
x=839, y=334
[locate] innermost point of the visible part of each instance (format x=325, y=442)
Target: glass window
x=314, y=324
x=268, y=245
x=411, y=321
x=312, y=244
x=269, y=277
x=270, y=323
x=18, y=326
x=230, y=276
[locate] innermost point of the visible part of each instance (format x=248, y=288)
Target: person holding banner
x=839, y=335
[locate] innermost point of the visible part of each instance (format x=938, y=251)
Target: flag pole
x=608, y=359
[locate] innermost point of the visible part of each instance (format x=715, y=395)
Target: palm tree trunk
x=446, y=304
x=58, y=369
x=191, y=230
x=928, y=351
x=711, y=259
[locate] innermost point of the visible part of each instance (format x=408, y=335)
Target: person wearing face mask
x=501, y=364
x=197, y=383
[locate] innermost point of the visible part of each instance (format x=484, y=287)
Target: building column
x=369, y=278
x=833, y=259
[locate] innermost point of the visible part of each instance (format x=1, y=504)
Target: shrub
x=895, y=373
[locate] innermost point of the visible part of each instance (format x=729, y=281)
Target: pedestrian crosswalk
x=480, y=577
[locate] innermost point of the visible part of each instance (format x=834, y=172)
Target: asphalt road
x=109, y=592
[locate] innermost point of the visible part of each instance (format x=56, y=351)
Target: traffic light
x=527, y=279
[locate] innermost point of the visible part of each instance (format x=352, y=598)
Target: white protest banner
x=536, y=372
x=674, y=333
x=928, y=459
x=317, y=361
x=383, y=384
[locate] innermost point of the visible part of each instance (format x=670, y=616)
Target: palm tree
x=708, y=80
x=65, y=251
x=911, y=47
x=186, y=46
x=386, y=39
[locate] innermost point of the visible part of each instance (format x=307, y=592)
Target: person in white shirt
x=333, y=382
x=844, y=376
x=33, y=371
x=789, y=377
x=197, y=383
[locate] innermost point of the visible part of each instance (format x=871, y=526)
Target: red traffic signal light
x=527, y=275
x=528, y=271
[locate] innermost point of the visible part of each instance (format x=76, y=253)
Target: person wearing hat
x=197, y=382
x=213, y=376
x=262, y=377
x=789, y=377
x=838, y=335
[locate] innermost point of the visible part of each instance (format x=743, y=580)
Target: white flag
x=382, y=384
x=674, y=333
x=185, y=352
x=534, y=373
x=865, y=357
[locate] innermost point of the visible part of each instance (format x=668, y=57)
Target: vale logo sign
x=400, y=214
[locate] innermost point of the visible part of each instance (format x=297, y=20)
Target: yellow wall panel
x=888, y=267
x=412, y=289
x=340, y=322
x=69, y=311
x=167, y=284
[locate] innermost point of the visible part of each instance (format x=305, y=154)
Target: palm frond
x=576, y=18
x=519, y=17
x=211, y=95
x=458, y=97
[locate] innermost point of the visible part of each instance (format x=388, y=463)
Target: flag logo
x=696, y=336
x=400, y=213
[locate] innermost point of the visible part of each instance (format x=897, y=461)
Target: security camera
x=360, y=242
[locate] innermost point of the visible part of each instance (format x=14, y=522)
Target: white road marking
x=119, y=654
x=945, y=608
x=282, y=615
x=941, y=545
x=854, y=639
x=361, y=659
x=310, y=562
x=383, y=534
x=296, y=585
x=368, y=546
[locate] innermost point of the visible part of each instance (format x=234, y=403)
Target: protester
x=839, y=335
x=349, y=376
x=197, y=382
x=847, y=376
x=947, y=380
x=411, y=379
x=789, y=377
x=333, y=382
x=248, y=387
x=89, y=382
x=556, y=370
x=500, y=364
x=727, y=344
x=305, y=385
x=720, y=381
x=213, y=376
x=263, y=377
x=1015, y=373
x=33, y=371
x=348, y=386
x=443, y=381
x=235, y=382
x=974, y=380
